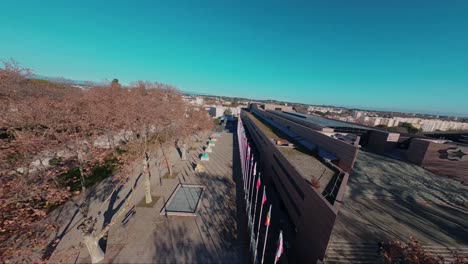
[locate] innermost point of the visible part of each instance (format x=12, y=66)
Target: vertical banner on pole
x=279, y=247
x=267, y=224
x=257, y=187
x=247, y=172
x=247, y=158
x=249, y=178
x=249, y=198
x=246, y=162
x=264, y=199
x=252, y=185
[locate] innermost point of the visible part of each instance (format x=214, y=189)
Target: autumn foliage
x=47, y=129
x=413, y=252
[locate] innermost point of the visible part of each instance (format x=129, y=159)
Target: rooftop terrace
x=325, y=122
x=303, y=160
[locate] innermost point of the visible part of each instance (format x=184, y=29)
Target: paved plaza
x=388, y=199
x=145, y=235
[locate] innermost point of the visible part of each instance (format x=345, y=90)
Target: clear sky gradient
x=392, y=55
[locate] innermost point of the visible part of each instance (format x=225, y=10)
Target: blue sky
x=393, y=55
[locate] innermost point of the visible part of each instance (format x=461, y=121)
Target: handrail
x=334, y=186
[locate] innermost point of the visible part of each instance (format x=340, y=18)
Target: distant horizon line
x=351, y=107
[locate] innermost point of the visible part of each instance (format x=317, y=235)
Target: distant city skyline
x=392, y=56
x=377, y=109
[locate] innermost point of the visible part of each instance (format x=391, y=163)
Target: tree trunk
x=92, y=241
x=166, y=159
x=146, y=175
x=81, y=160
x=96, y=253
x=148, y=198
x=183, y=149
x=83, y=188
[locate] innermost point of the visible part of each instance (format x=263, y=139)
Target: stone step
x=352, y=251
x=345, y=252
x=446, y=252
x=352, y=246
x=354, y=256
x=435, y=248
x=346, y=243
x=339, y=260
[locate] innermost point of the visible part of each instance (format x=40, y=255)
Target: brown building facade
x=440, y=158
x=311, y=216
x=339, y=152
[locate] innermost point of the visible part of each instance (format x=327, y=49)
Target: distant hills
x=272, y=101
x=64, y=80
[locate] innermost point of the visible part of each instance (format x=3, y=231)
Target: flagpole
x=252, y=187
x=241, y=146
x=249, y=168
x=257, y=186
x=247, y=164
x=245, y=168
x=279, y=249
x=266, y=236
x=244, y=154
x=249, y=218
x=241, y=156
x=256, y=199
x=246, y=189
x=258, y=228
x=246, y=181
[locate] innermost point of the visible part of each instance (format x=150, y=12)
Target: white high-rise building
x=357, y=114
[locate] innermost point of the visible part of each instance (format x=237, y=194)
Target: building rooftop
x=388, y=199
x=325, y=122
x=345, y=137
x=303, y=160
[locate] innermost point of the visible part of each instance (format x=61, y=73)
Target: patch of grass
x=111, y=160
x=4, y=134
x=51, y=206
x=98, y=174
x=168, y=176
x=55, y=162
x=143, y=203
x=12, y=158
x=71, y=178
x=120, y=151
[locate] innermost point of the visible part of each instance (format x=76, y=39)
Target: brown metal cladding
x=310, y=212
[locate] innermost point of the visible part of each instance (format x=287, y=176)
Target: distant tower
x=115, y=83
x=357, y=114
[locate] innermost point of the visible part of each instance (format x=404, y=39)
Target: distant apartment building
x=357, y=114
x=324, y=109
x=276, y=107
x=219, y=110
x=197, y=100
x=427, y=125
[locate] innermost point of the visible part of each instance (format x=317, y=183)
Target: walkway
x=210, y=237
x=146, y=236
